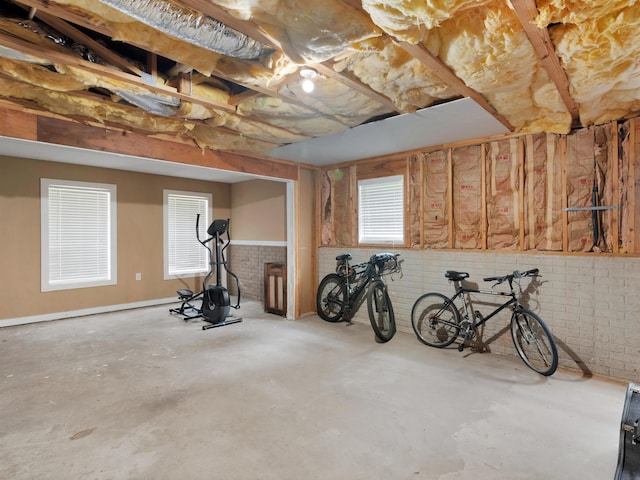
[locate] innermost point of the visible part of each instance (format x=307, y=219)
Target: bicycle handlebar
x=516, y=274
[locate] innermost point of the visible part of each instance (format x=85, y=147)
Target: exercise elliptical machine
x=216, y=305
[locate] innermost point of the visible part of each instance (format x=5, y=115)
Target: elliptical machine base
x=216, y=307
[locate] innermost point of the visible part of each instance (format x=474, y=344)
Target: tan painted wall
x=140, y=236
x=259, y=211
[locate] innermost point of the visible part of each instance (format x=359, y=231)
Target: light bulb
x=307, y=85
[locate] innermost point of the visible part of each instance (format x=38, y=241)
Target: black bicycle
x=341, y=294
x=438, y=322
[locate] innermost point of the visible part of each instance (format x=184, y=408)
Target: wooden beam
x=526, y=11
x=614, y=181
x=447, y=75
x=103, y=52
x=354, y=84
x=66, y=14
x=243, y=97
x=565, y=214
x=483, y=196
x=245, y=27
x=521, y=195
x=634, y=193
x=530, y=180
x=450, y=198
x=66, y=132
x=65, y=59
x=353, y=204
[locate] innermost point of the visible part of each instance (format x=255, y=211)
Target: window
x=183, y=255
x=78, y=242
x=381, y=210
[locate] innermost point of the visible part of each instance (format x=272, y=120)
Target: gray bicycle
x=438, y=322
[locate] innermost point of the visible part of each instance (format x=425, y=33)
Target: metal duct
x=189, y=26
x=12, y=54
x=150, y=103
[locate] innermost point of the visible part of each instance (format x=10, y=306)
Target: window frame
x=204, y=224
x=369, y=240
x=46, y=283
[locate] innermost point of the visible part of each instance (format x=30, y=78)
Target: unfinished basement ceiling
x=225, y=74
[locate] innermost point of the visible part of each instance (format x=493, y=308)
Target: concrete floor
x=143, y=395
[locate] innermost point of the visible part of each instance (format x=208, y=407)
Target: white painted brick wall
x=590, y=303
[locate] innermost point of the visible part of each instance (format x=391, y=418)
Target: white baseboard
x=10, y=322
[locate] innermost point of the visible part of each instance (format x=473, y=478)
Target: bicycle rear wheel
x=331, y=298
x=534, y=342
x=383, y=321
x=435, y=321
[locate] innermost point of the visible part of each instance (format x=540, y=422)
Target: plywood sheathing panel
x=436, y=192
x=341, y=205
x=543, y=186
x=467, y=179
x=503, y=194
x=580, y=180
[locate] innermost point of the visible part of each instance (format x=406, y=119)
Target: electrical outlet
x=138, y=276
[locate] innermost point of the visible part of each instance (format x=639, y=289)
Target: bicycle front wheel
x=331, y=298
x=534, y=342
x=383, y=321
x=435, y=320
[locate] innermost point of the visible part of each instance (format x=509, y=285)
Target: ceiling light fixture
x=308, y=74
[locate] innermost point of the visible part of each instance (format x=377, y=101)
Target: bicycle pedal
x=461, y=347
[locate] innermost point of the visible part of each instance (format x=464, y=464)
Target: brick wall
x=590, y=303
x=247, y=262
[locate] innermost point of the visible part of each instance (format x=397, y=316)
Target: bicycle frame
x=356, y=293
x=365, y=274
x=461, y=291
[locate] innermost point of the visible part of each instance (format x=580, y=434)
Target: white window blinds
x=183, y=254
x=381, y=210
x=78, y=234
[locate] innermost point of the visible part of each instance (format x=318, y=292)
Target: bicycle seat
x=343, y=257
x=456, y=276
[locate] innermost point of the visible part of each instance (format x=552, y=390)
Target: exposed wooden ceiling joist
x=75, y=34
x=57, y=57
x=70, y=16
x=446, y=74
x=526, y=10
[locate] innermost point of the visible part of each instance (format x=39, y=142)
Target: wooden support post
x=521, y=210
x=614, y=181
x=634, y=194
x=184, y=83
x=152, y=64
x=530, y=190
x=565, y=214
x=452, y=232
x=353, y=203
x=484, y=224
x=421, y=183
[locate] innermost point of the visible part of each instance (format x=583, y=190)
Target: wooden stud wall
x=525, y=228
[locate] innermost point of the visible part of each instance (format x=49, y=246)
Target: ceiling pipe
x=190, y=26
